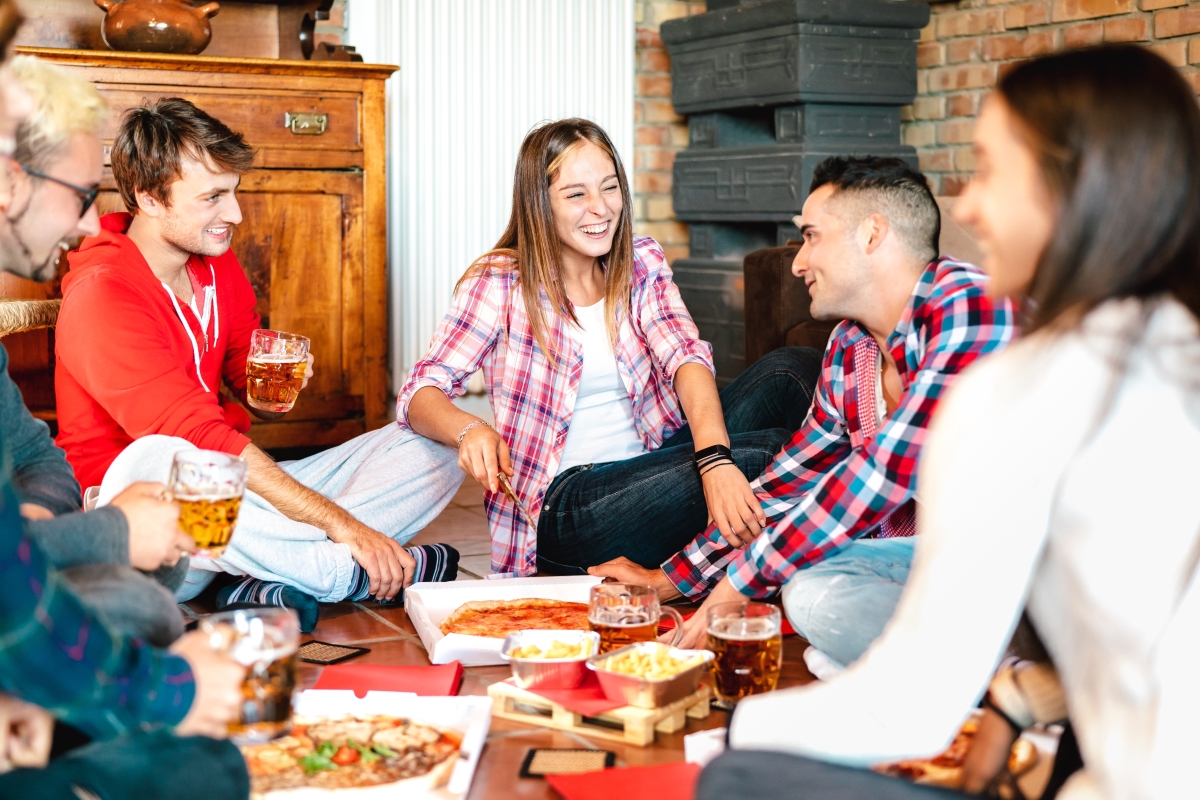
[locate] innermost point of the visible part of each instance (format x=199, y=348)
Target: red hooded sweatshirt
x=126, y=364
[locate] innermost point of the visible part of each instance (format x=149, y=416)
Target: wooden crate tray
x=633, y=725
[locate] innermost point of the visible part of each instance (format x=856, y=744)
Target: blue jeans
x=842, y=604
x=650, y=507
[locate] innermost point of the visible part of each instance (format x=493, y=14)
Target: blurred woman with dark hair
x=592, y=365
x=1060, y=474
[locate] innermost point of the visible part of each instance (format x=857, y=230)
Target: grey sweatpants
x=391, y=480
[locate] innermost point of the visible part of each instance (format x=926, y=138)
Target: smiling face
x=585, y=198
x=44, y=215
x=1007, y=203
x=203, y=212
x=832, y=262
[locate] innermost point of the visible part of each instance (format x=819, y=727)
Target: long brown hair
x=1116, y=131
x=532, y=247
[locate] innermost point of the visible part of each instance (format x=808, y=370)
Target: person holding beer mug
x=178, y=320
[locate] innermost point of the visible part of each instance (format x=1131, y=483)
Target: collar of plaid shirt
x=842, y=475
x=533, y=400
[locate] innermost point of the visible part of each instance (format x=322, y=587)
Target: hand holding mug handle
x=678, y=623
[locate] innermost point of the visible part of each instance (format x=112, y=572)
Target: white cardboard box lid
x=428, y=604
x=470, y=717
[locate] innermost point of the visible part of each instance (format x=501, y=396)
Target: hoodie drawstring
x=210, y=303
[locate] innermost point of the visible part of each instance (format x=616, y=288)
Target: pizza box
x=428, y=604
x=470, y=717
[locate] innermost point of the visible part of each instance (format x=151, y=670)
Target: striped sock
x=435, y=562
x=252, y=593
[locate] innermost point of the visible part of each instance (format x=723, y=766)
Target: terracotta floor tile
x=395, y=651
x=463, y=528
x=345, y=622
x=394, y=614
x=470, y=494
x=478, y=565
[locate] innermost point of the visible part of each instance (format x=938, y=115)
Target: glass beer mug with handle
x=208, y=487
x=264, y=640
x=748, y=641
x=275, y=369
x=624, y=613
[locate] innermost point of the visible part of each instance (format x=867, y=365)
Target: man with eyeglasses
x=54, y=175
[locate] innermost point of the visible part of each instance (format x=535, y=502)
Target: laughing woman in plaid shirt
x=839, y=498
x=591, y=363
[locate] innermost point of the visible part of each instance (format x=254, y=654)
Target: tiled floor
x=392, y=640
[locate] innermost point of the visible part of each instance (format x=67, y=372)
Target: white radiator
x=475, y=76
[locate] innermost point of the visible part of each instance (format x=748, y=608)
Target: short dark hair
x=893, y=188
x=147, y=153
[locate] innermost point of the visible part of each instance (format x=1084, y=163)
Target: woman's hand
x=732, y=505
x=483, y=454
x=26, y=731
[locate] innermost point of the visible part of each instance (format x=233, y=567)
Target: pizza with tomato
x=349, y=753
x=498, y=618
x=946, y=768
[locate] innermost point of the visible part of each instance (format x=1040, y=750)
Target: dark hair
x=147, y=153
x=1116, y=132
x=901, y=193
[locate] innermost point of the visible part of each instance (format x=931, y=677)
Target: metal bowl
x=548, y=673
x=643, y=692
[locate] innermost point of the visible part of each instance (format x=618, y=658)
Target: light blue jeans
x=391, y=480
x=842, y=604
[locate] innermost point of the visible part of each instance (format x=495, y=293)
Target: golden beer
x=209, y=520
x=266, y=700
x=745, y=666
x=272, y=383
x=613, y=636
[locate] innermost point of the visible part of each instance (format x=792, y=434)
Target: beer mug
x=264, y=640
x=748, y=642
x=275, y=369
x=208, y=487
x=624, y=613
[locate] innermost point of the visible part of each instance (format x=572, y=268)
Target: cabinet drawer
x=260, y=117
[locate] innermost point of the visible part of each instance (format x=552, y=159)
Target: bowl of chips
x=650, y=674
x=549, y=659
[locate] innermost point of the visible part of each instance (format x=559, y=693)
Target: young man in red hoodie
x=157, y=315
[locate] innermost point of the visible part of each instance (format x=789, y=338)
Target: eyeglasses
x=86, y=196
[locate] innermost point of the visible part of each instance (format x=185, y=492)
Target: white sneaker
x=821, y=665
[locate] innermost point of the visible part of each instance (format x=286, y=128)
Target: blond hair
x=64, y=105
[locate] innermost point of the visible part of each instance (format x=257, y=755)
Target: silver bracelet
x=469, y=426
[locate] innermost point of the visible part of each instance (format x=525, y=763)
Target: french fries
x=556, y=649
x=653, y=664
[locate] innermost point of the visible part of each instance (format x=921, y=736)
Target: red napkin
x=667, y=623
x=437, y=681
x=589, y=699
x=675, y=781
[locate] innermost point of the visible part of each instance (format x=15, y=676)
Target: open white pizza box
x=469, y=717
x=428, y=604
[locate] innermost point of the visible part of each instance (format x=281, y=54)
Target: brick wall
x=967, y=43
x=659, y=133
x=333, y=30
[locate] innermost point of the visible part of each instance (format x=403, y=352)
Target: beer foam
x=207, y=497
x=735, y=630
x=275, y=358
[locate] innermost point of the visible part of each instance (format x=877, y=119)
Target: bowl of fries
x=549, y=659
x=650, y=674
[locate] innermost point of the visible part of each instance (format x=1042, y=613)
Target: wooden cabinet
x=313, y=236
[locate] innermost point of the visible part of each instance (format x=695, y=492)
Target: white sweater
x=1055, y=477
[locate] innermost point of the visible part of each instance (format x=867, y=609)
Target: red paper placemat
x=438, y=681
x=589, y=699
x=666, y=623
x=675, y=781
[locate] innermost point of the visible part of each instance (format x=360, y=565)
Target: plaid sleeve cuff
x=689, y=351
x=747, y=577
x=699, y=567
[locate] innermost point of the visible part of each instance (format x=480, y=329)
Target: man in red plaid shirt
x=839, y=497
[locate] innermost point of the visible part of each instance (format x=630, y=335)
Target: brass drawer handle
x=303, y=123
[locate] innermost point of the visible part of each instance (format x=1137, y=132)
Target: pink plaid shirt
x=533, y=400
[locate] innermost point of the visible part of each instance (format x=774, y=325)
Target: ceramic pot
x=156, y=26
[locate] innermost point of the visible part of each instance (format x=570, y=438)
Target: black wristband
x=718, y=452
x=988, y=702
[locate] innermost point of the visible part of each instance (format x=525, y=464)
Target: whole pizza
x=498, y=618
x=347, y=753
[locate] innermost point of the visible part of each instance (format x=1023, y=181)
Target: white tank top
x=602, y=426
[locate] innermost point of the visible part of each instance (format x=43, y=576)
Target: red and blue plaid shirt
x=533, y=399
x=841, y=476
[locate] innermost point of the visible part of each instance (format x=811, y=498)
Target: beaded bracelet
x=469, y=426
